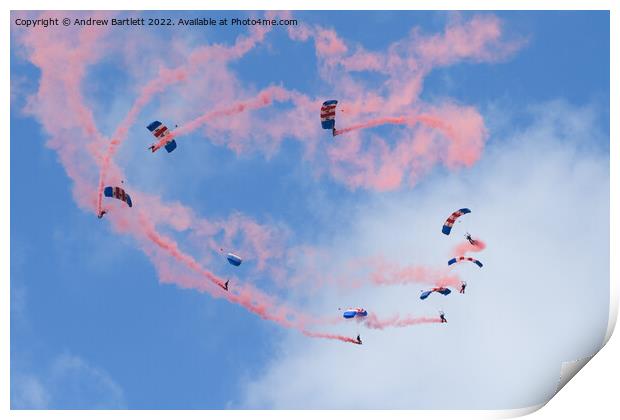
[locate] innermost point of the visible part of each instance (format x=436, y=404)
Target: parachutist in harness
x=463, y=286
x=101, y=213
x=470, y=239
x=442, y=316
x=161, y=133
x=225, y=285
x=359, y=340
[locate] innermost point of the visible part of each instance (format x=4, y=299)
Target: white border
x=593, y=393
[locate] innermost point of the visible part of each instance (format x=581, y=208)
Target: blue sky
x=91, y=325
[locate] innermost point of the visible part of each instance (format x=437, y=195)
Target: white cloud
x=540, y=199
x=70, y=382
x=27, y=392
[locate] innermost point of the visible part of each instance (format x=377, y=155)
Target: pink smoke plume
x=172, y=249
x=372, y=123
x=416, y=274
x=397, y=320
x=155, y=86
x=139, y=224
x=257, y=242
x=477, y=39
x=381, y=166
x=360, y=272
x=382, y=272
x=464, y=247
x=460, y=131
x=165, y=79
x=331, y=336
x=451, y=134
x=245, y=295
x=447, y=133
x=262, y=99
x=405, y=63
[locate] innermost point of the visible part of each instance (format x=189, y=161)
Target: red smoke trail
x=415, y=274
x=374, y=123
x=464, y=247
x=385, y=273
x=436, y=123
x=63, y=62
x=358, y=272
x=330, y=336
x=244, y=295
x=265, y=98
x=255, y=301
x=155, y=86
x=396, y=321
x=252, y=299
x=166, y=77
x=428, y=120
x=172, y=248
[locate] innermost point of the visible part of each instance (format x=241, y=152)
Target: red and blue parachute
x=462, y=258
x=328, y=114
x=118, y=193
x=354, y=312
x=160, y=131
x=447, y=227
x=442, y=290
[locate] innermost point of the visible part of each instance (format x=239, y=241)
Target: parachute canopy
x=328, y=114
x=160, y=131
x=353, y=312
x=425, y=294
x=118, y=193
x=447, y=227
x=234, y=259
x=443, y=290
x=460, y=259
x=170, y=146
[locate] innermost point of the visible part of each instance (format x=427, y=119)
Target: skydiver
x=463, y=286
x=334, y=132
x=151, y=148
x=470, y=239
x=442, y=316
x=359, y=340
x=101, y=213
x=225, y=286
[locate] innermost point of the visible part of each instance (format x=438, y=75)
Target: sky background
x=96, y=322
